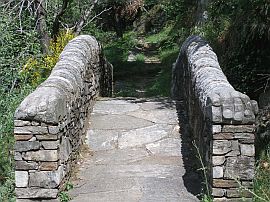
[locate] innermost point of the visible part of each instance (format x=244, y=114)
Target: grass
x=8, y=104
x=262, y=177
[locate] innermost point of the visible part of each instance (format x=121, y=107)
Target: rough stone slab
x=238, y=129
x=23, y=165
x=157, y=116
x=238, y=193
x=17, y=156
x=20, y=123
x=23, y=137
x=143, y=136
x=165, y=147
x=224, y=199
x=221, y=147
x=54, y=129
x=34, y=130
x=218, y=172
x=47, y=137
x=45, y=179
x=240, y=167
x=105, y=107
x=220, y=183
x=41, y=155
x=216, y=192
x=247, y=149
x=21, y=146
x=216, y=129
x=50, y=144
x=218, y=160
x=21, y=178
x=48, y=166
x=121, y=122
x=23, y=193
x=102, y=139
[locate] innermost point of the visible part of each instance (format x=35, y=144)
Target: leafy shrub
x=37, y=69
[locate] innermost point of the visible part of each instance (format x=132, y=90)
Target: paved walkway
x=137, y=154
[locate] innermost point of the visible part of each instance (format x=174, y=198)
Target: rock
x=21, y=178
x=50, y=144
x=218, y=160
x=165, y=147
x=216, y=192
x=240, y=167
x=45, y=179
x=54, y=129
x=218, y=172
x=216, y=129
x=47, y=137
x=238, y=129
x=21, y=146
x=221, y=147
x=220, y=183
x=33, y=130
x=23, y=137
x=247, y=149
x=41, y=155
x=20, y=123
x=48, y=166
x=238, y=193
x=34, y=193
x=23, y=165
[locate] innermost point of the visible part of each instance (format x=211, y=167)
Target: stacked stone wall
x=221, y=120
x=51, y=121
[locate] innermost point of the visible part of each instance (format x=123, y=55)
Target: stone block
x=54, y=129
x=20, y=123
x=244, y=136
x=47, y=137
x=221, y=147
x=65, y=149
x=22, y=146
x=35, y=193
x=23, y=137
x=218, y=172
x=238, y=128
x=21, y=178
x=30, y=130
x=223, y=136
x=240, y=167
x=238, y=193
x=216, y=192
x=220, y=183
x=23, y=165
x=45, y=179
x=218, y=160
x=216, y=114
x=41, y=155
x=247, y=149
x=17, y=156
x=224, y=199
x=216, y=129
x=48, y=166
x=50, y=144
x=247, y=184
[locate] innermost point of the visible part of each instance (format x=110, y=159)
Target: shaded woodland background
x=141, y=38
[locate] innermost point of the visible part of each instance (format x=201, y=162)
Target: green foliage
x=37, y=69
x=239, y=31
x=117, y=50
x=63, y=195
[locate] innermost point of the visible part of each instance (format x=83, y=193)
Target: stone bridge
x=138, y=149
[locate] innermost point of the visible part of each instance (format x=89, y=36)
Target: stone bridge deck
x=137, y=154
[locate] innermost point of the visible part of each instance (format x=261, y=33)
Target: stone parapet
x=51, y=121
x=221, y=120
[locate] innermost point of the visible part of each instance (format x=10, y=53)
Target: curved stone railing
x=221, y=119
x=50, y=122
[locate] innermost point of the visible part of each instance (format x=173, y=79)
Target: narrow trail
x=138, y=154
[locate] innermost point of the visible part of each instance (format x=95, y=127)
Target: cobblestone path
x=137, y=154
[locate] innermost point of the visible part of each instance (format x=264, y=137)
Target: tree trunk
x=41, y=25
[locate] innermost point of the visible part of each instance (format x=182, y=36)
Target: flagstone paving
x=137, y=154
